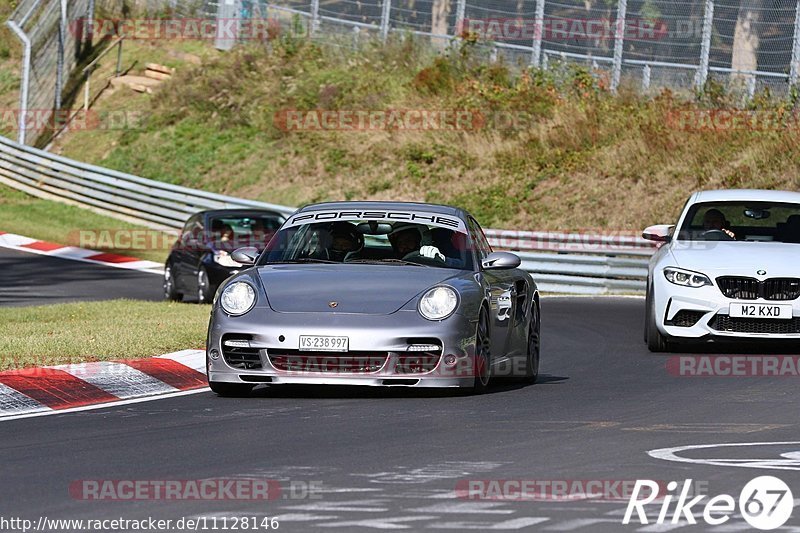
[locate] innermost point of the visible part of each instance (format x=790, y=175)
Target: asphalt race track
x=391, y=459
x=29, y=279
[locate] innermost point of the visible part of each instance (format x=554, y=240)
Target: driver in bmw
x=713, y=219
x=406, y=240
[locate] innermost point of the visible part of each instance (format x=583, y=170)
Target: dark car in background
x=200, y=260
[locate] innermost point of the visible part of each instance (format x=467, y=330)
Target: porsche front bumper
x=380, y=344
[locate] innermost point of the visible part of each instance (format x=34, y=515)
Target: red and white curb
x=75, y=387
x=26, y=244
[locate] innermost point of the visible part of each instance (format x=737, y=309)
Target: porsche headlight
x=438, y=303
x=223, y=258
x=686, y=278
x=238, y=298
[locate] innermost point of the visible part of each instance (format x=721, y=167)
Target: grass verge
x=65, y=224
x=78, y=332
x=557, y=149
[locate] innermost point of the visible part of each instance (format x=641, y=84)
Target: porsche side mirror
x=501, y=261
x=658, y=233
x=246, y=255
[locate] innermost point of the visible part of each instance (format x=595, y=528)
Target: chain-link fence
x=53, y=42
x=742, y=45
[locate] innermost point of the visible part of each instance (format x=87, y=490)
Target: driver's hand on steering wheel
x=431, y=252
x=729, y=233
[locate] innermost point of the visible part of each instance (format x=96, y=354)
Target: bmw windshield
x=742, y=221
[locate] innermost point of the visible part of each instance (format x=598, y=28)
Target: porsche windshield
x=370, y=242
x=742, y=221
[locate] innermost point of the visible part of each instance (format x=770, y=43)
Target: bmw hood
x=359, y=289
x=739, y=258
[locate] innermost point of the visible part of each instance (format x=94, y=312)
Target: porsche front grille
x=238, y=354
x=755, y=325
x=743, y=288
x=320, y=362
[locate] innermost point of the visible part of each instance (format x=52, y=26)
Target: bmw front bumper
x=703, y=313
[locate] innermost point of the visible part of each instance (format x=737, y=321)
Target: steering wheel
x=716, y=235
x=416, y=257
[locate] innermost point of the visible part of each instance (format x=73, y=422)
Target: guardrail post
x=26, y=78
x=461, y=10
x=538, y=26
x=62, y=37
x=314, y=17
x=794, y=69
x=619, y=40
x=88, y=28
x=705, y=46
x=386, y=10
x=646, y=78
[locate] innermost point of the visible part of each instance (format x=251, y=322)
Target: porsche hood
x=355, y=289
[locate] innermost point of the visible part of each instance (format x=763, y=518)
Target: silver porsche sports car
x=374, y=293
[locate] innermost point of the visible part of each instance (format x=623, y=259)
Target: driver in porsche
x=406, y=240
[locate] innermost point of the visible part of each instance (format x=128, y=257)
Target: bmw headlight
x=223, y=258
x=438, y=303
x=686, y=278
x=238, y=298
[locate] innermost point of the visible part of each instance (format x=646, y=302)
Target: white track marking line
x=514, y=523
x=670, y=454
x=104, y=405
x=379, y=523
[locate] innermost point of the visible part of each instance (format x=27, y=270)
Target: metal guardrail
x=561, y=262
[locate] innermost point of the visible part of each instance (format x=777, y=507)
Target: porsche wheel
x=534, y=346
x=230, y=390
x=482, y=366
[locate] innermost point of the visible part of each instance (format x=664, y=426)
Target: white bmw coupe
x=729, y=269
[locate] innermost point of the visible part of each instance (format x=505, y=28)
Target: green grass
x=98, y=331
x=51, y=221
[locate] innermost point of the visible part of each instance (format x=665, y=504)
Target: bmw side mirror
x=501, y=261
x=246, y=255
x=658, y=233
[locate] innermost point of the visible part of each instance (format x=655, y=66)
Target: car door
x=191, y=243
x=502, y=299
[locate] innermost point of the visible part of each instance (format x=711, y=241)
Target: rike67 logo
x=765, y=503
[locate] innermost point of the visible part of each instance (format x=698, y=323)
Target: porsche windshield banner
x=420, y=217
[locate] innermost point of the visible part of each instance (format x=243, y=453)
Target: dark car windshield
x=370, y=242
x=237, y=231
x=742, y=221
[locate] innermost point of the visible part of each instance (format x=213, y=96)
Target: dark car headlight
x=686, y=278
x=238, y=298
x=438, y=303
